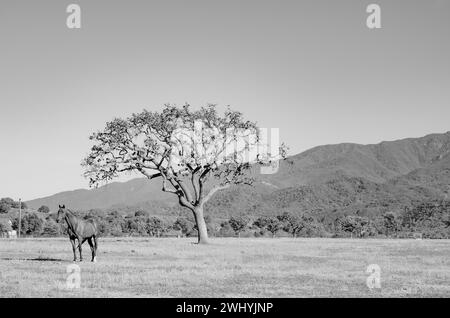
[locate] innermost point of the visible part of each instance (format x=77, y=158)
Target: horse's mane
x=71, y=212
x=74, y=214
x=80, y=218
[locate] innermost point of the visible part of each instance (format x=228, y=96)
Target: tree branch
x=212, y=192
x=149, y=176
x=185, y=190
x=164, y=188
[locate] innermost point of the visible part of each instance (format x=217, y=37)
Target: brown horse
x=80, y=230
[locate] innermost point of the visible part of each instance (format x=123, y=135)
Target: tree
x=285, y=219
x=4, y=208
x=5, y=225
x=271, y=224
x=136, y=225
x=184, y=225
x=238, y=224
x=154, y=226
x=115, y=222
x=261, y=224
x=50, y=228
x=44, y=209
x=355, y=225
x=391, y=223
x=12, y=204
x=31, y=224
x=193, y=153
x=6, y=204
x=431, y=218
x=141, y=213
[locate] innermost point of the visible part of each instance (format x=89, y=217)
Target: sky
x=312, y=68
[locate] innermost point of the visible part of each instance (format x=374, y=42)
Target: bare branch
x=196, y=186
x=212, y=192
x=185, y=190
x=164, y=188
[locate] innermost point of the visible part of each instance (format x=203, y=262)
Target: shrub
x=184, y=225
x=51, y=228
x=238, y=224
x=31, y=224
x=136, y=226
x=4, y=208
x=44, y=209
x=5, y=226
x=155, y=226
x=141, y=213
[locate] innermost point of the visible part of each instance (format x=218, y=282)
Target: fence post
x=20, y=216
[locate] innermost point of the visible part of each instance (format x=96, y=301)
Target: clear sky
x=311, y=68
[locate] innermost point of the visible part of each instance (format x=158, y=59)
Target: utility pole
x=20, y=216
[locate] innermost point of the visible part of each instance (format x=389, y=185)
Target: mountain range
x=341, y=178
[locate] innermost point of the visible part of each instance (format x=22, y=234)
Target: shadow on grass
x=37, y=259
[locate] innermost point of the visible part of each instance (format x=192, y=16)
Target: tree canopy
x=184, y=148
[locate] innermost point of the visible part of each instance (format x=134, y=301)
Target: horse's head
x=61, y=213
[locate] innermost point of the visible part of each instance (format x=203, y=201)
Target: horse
x=80, y=230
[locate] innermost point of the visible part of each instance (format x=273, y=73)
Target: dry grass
x=130, y=267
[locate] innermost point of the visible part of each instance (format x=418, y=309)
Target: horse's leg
x=95, y=247
x=92, y=248
x=72, y=241
x=80, y=242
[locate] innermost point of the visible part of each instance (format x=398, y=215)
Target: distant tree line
x=6, y=204
x=430, y=219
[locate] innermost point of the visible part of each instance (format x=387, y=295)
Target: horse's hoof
x=94, y=260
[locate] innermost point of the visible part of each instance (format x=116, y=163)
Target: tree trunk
x=201, y=226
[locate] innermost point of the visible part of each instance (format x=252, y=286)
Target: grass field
x=228, y=267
